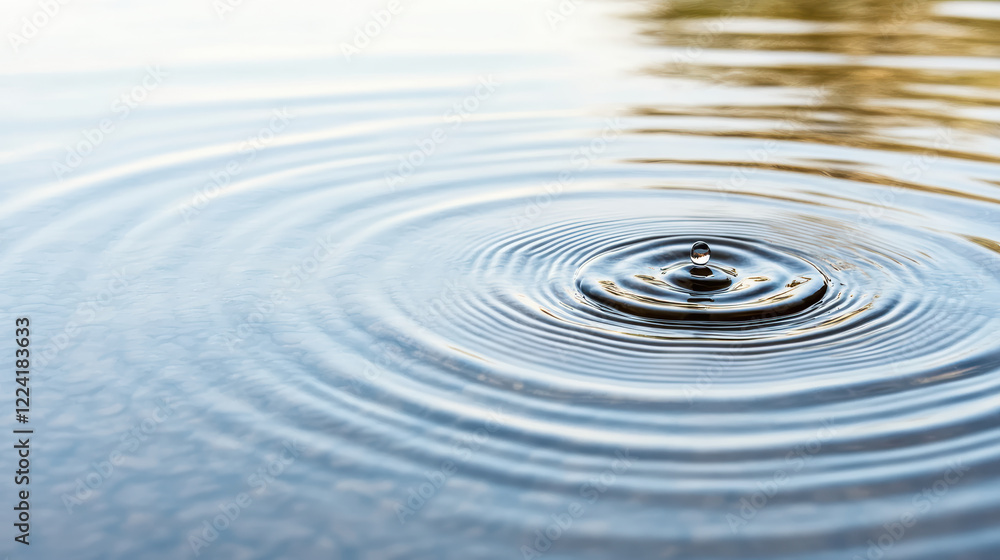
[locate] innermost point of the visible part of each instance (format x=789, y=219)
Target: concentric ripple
x=548, y=280
x=522, y=319
x=746, y=282
x=464, y=351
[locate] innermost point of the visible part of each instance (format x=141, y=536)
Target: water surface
x=415, y=301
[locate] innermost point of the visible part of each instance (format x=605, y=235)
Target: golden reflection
x=847, y=174
x=983, y=242
x=843, y=318
x=871, y=74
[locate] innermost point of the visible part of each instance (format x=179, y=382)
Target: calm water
x=419, y=291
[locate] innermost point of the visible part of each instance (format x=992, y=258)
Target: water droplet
x=700, y=253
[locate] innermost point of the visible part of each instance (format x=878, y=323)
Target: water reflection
x=462, y=352
x=839, y=73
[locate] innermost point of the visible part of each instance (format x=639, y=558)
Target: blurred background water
x=345, y=280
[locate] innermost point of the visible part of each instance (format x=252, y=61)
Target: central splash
x=746, y=282
x=699, y=276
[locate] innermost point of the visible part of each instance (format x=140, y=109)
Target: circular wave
x=533, y=340
x=747, y=282
x=888, y=364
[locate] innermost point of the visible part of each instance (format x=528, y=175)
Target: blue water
x=298, y=290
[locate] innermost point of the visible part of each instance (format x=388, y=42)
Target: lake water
x=411, y=280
